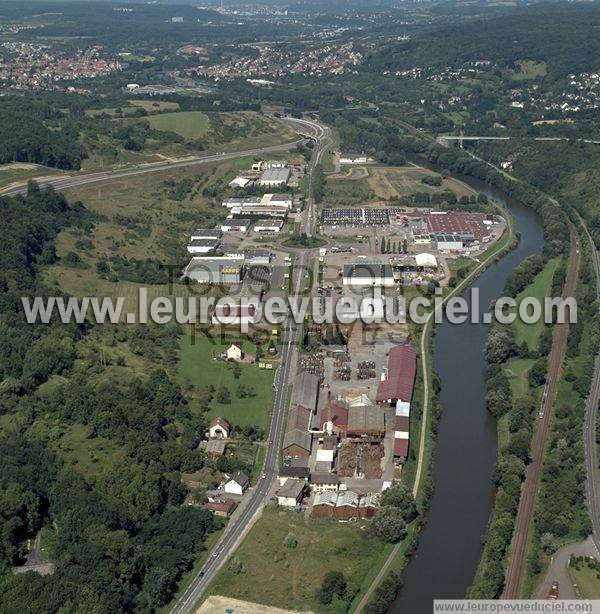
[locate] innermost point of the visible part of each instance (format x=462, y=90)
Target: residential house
x=220, y=508
x=234, y=352
x=237, y=483
x=219, y=428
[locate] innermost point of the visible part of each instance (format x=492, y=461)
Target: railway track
x=515, y=570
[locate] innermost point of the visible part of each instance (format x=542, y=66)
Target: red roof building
x=337, y=414
x=299, y=418
x=459, y=222
x=220, y=508
x=400, y=378
x=401, y=448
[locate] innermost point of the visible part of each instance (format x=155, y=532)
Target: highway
x=461, y=138
x=592, y=483
x=238, y=525
x=62, y=183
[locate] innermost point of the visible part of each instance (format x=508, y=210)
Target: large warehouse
x=274, y=177
x=368, y=274
x=217, y=270
x=398, y=379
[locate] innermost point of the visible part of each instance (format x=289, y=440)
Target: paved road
x=62, y=183
x=237, y=526
x=558, y=569
x=592, y=484
x=509, y=138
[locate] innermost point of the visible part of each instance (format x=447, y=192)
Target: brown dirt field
x=219, y=604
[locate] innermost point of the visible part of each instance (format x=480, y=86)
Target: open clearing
x=216, y=603
x=539, y=288
x=17, y=172
x=199, y=368
x=389, y=182
x=587, y=580
x=287, y=577
x=144, y=216
x=189, y=124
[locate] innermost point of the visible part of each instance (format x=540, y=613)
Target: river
x=449, y=547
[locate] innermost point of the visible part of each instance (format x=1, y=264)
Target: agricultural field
x=155, y=106
x=392, y=182
x=277, y=575
x=529, y=69
x=200, y=367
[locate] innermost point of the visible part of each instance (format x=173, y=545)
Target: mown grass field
x=587, y=580
x=540, y=288
x=189, y=124
x=200, y=367
x=287, y=577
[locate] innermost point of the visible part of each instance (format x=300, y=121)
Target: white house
x=234, y=352
x=219, y=428
x=237, y=484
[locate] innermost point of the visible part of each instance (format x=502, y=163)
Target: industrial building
x=215, y=270
x=268, y=226
x=235, y=225
x=354, y=158
x=366, y=421
x=291, y=493
x=271, y=205
x=202, y=246
x=398, y=379
x=368, y=274
x=206, y=233
x=274, y=177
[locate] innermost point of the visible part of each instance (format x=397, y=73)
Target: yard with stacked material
x=266, y=570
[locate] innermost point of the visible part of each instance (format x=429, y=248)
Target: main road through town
x=238, y=525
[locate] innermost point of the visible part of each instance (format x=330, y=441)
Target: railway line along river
x=450, y=547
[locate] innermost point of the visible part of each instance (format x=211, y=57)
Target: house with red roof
x=219, y=428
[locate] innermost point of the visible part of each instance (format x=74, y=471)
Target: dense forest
x=119, y=536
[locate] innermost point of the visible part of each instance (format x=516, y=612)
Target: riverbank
x=422, y=485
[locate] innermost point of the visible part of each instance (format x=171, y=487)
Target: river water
x=449, y=547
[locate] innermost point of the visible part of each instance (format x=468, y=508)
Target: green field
x=199, y=367
x=587, y=580
x=516, y=370
x=539, y=288
x=189, y=124
x=287, y=577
